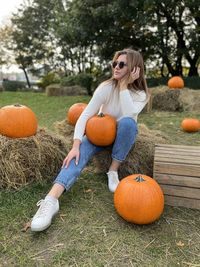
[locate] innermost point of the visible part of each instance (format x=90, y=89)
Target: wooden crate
x=177, y=170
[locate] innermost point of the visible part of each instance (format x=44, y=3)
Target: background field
x=88, y=231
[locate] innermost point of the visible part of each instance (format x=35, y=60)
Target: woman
x=123, y=97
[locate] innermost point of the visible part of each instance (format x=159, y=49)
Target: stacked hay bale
x=166, y=99
x=24, y=160
x=58, y=90
x=140, y=158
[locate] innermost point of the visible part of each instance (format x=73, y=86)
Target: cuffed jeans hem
x=60, y=183
x=119, y=160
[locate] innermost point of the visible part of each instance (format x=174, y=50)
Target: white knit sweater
x=111, y=101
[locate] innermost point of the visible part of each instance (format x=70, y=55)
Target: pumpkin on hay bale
x=140, y=158
x=35, y=158
x=17, y=121
x=176, y=82
x=74, y=112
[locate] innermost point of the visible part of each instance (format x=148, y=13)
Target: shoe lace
x=44, y=208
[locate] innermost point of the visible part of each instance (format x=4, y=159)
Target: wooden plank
x=179, y=159
x=166, y=153
x=182, y=202
x=165, y=146
x=170, y=179
x=181, y=191
x=177, y=169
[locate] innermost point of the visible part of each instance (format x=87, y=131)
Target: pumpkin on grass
x=17, y=121
x=139, y=199
x=74, y=112
x=190, y=125
x=175, y=82
x=101, y=129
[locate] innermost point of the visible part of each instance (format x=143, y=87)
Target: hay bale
x=24, y=160
x=64, y=129
x=54, y=90
x=58, y=90
x=140, y=158
x=166, y=99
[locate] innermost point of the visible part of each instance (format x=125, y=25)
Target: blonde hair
x=134, y=59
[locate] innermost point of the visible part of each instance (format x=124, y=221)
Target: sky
x=7, y=7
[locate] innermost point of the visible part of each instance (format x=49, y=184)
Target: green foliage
x=13, y=85
x=82, y=79
x=48, y=79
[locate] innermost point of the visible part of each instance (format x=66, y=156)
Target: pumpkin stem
x=139, y=179
x=101, y=114
x=17, y=105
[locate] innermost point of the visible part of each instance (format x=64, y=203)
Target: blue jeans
x=125, y=138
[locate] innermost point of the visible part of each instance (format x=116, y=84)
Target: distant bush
x=13, y=85
x=48, y=79
x=83, y=79
x=190, y=82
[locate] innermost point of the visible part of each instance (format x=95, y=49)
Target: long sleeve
x=132, y=103
x=98, y=98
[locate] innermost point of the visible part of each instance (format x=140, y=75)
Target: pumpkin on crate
x=176, y=82
x=139, y=199
x=74, y=112
x=17, y=121
x=190, y=125
x=101, y=129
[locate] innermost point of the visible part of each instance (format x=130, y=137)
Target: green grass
x=88, y=232
x=47, y=109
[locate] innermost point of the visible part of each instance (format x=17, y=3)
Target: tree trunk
x=26, y=75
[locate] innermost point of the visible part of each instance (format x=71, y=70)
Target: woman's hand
x=127, y=79
x=73, y=153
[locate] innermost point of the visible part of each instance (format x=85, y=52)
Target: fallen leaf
x=180, y=244
x=26, y=226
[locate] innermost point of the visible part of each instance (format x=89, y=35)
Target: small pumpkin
x=175, y=82
x=74, y=112
x=101, y=129
x=17, y=121
x=190, y=125
x=139, y=199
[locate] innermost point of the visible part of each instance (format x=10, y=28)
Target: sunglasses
x=120, y=64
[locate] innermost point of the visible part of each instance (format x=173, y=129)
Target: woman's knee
x=128, y=124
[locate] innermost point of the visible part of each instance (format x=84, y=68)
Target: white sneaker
x=43, y=217
x=113, y=180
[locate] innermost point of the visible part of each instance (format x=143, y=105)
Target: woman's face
x=118, y=73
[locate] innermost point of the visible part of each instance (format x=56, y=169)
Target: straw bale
x=166, y=99
x=24, y=160
x=140, y=158
x=64, y=129
x=58, y=90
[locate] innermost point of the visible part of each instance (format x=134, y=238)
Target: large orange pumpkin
x=190, y=125
x=139, y=199
x=101, y=129
x=17, y=121
x=74, y=112
x=175, y=82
